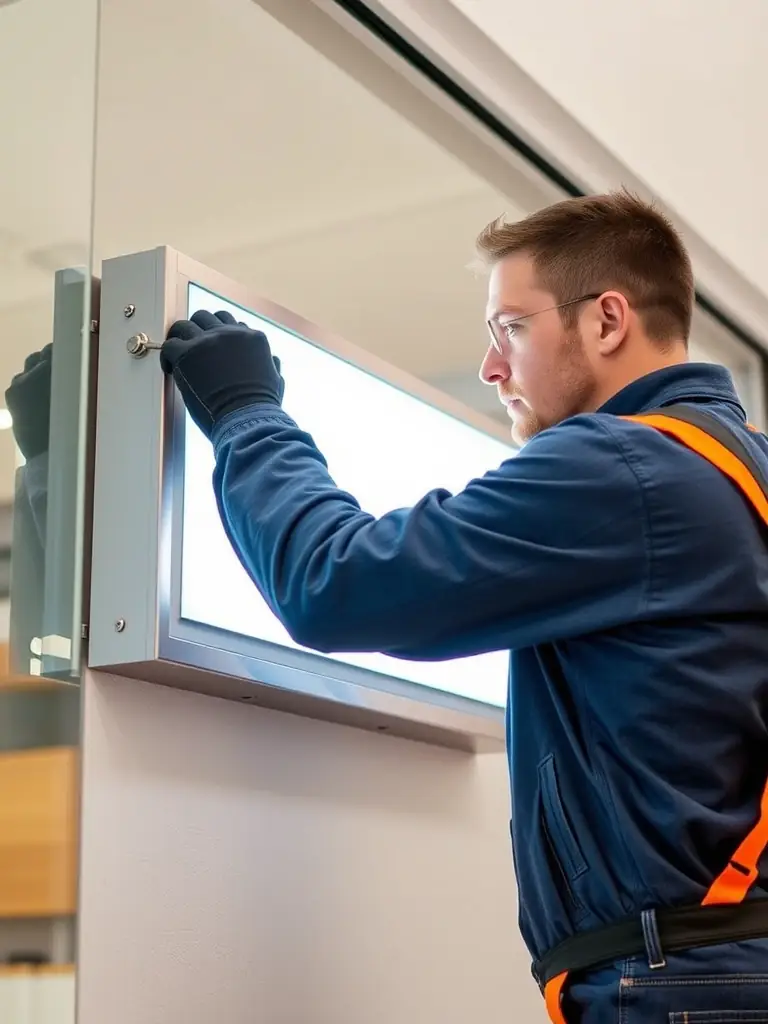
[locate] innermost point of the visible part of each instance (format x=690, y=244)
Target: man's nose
x=494, y=369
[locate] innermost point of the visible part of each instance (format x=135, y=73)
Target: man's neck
x=639, y=365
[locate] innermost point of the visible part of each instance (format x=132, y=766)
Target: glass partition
x=47, y=89
x=310, y=165
x=309, y=169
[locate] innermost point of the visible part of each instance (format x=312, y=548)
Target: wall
x=674, y=90
x=246, y=865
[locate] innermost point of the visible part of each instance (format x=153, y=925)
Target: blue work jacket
x=629, y=580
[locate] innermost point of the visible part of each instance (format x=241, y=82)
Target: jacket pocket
x=565, y=845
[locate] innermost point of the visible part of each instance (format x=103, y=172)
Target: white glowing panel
x=382, y=445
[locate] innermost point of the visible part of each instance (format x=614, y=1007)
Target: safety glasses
x=504, y=333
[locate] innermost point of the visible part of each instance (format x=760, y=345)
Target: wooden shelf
x=38, y=832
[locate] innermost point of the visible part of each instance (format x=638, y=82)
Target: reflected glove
x=219, y=366
x=28, y=400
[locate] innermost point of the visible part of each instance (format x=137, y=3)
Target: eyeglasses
x=501, y=333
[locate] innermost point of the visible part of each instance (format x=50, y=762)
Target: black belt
x=680, y=928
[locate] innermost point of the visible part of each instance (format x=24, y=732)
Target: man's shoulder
x=616, y=453
x=592, y=437
x=578, y=463
x=693, y=521
x=678, y=484
x=604, y=434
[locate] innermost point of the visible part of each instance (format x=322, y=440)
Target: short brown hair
x=596, y=243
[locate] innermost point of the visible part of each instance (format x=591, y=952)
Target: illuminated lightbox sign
x=382, y=445
x=170, y=602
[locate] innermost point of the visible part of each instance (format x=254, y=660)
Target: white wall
x=248, y=866
x=674, y=88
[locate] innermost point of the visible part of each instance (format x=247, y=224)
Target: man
x=625, y=572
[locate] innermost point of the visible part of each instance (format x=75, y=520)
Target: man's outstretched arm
x=548, y=545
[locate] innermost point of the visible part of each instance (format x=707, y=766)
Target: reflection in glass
x=45, y=402
x=47, y=88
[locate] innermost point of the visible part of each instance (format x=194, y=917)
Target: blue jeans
x=725, y=984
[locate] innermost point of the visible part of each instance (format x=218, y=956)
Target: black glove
x=220, y=365
x=28, y=400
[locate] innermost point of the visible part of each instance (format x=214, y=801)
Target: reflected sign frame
x=136, y=629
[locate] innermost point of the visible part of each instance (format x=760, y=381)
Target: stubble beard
x=575, y=388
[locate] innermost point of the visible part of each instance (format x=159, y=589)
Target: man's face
x=541, y=371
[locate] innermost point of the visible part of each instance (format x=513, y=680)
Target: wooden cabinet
x=38, y=832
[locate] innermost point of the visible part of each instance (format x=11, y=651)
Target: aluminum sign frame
x=136, y=628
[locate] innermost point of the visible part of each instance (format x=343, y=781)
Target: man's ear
x=614, y=316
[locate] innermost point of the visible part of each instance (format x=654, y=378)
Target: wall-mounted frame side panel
x=128, y=463
x=138, y=529
x=68, y=522
x=85, y=469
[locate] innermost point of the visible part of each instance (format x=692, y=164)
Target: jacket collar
x=687, y=382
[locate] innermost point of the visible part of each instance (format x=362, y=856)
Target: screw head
x=120, y=625
x=129, y=310
x=137, y=345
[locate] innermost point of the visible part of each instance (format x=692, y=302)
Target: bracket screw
x=139, y=344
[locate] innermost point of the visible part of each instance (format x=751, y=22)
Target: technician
x=621, y=558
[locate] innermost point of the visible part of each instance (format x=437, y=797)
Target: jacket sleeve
x=549, y=545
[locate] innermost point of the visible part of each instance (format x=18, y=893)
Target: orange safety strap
x=741, y=872
x=553, y=991
x=713, y=451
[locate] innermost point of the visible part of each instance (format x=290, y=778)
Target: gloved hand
x=220, y=365
x=28, y=400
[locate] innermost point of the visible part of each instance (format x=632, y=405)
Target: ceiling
x=225, y=134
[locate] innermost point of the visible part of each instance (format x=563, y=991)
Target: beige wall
x=694, y=77
x=245, y=866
